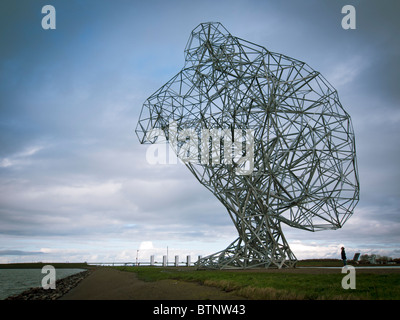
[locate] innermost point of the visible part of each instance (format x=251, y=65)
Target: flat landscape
x=311, y=280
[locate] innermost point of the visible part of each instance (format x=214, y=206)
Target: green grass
x=320, y=263
x=281, y=285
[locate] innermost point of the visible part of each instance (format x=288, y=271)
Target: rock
x=62, y=287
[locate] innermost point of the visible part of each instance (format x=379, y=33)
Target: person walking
x=344, y=258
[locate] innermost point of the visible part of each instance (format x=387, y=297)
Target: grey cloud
x=19, y=253
x=77, y=94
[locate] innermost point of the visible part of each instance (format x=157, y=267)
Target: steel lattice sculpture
x=266, y=134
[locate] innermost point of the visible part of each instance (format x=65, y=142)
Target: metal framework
x=300, y=168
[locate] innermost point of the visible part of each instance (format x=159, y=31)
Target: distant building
x=372, y=259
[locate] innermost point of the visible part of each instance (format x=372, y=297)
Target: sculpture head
x=275, y=111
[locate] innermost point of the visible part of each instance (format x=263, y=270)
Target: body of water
x=15, y=281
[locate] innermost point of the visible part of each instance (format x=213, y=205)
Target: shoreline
x=104, y=283
x=63, y=286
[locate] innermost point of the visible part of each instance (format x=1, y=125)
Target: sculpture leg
x=261, y=244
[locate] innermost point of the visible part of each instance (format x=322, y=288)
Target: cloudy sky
x=74, y=181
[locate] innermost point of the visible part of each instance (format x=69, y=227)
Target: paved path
x=111, y=284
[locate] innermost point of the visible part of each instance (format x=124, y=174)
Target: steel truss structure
x=303, y=169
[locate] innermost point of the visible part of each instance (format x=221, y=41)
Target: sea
x=15, y=281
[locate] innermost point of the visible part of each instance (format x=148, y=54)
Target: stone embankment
x=62, y=287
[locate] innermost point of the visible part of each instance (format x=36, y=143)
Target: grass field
x=297, y=284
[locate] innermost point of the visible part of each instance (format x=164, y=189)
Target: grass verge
x=281, y=285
